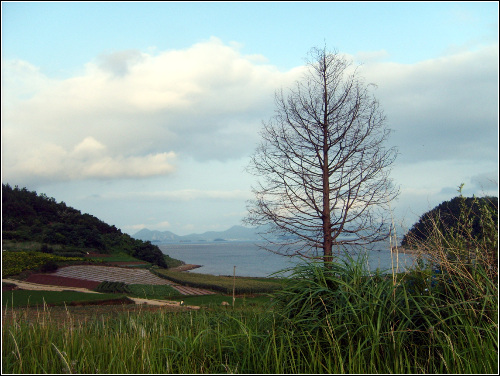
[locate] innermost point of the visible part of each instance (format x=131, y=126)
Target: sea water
x=220, y=258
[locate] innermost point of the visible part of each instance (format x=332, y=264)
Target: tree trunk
x=327, y=228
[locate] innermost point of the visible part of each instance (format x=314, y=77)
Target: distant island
x=235, y=233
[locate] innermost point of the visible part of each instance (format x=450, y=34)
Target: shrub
x=46, y=249
x=49, y=267
x=113, y=287
x=16, y=262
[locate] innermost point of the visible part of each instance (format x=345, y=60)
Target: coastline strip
x=185, y=267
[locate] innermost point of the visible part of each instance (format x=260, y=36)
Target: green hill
x=31, y=218
x=447, y=216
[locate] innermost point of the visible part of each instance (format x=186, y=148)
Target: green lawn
x=223, y=284
x=32, y=298
x=117, y=257
x=214, y=301
x=153, y=291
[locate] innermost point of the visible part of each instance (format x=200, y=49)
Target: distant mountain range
x=235, y=233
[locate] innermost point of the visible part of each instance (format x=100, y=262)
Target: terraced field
x=112, y=274
x=79, y=275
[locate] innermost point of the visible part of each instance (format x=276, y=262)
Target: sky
x=145, y=114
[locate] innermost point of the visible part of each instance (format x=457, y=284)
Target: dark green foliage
x=446, y=215
x=150, y=253
x=46, y=249
x=27, y=216
x=49, y=267
x=112, y=287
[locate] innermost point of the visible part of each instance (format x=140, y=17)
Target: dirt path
x=34, y=286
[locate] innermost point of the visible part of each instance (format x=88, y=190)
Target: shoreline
x=185, y=267
x=408, y=251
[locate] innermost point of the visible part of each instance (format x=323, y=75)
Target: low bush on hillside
x=112, y=287
x=15, y=262
x=49, y=267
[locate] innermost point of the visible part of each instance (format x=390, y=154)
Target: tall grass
x=375, y=325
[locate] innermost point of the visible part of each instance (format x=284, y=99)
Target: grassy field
x=117, y=257
x=153, y=291
x=33, y=298
x=223, y=284
x=215, y=301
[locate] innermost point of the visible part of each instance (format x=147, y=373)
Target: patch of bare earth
x=55, y=280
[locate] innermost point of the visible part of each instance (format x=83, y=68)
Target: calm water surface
x=219, y=258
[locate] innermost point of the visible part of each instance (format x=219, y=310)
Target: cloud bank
x=441, y=109
x=131, y=114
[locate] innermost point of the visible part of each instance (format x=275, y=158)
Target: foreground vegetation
x=440, y=317
x=324, y=324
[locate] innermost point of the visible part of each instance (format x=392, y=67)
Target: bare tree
x=322, y=165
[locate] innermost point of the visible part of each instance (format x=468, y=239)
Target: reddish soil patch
x=48, y=279
x=9, y=287
x=102, y=302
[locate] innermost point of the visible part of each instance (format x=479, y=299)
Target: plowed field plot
x=112, y=274
x=55, y=280
x=91, y=274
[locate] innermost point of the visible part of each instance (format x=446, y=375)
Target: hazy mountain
x=156, y=236
x=235, y=233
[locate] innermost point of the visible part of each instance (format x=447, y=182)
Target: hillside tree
x=322, y=166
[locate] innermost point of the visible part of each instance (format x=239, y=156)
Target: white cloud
x=134, y=110
x=486, y=182
x=89, y=146
x=441, y=109
x=87, y=160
